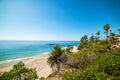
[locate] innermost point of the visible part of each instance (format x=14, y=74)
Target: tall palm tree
x=92, y=38
x=83, y=39
x=112, y=37
x=112, y=34
x=98, y=35
x=54, y=59
x=106, y=28
x=119, y=31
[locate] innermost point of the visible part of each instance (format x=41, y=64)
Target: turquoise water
x=19, y=49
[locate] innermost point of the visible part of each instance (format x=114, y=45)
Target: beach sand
x=39, y=62
x=75, y=49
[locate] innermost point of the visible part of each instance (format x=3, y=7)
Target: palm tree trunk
x=58, y=67
x=58, y=64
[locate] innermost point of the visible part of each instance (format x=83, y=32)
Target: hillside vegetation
x=95, y=59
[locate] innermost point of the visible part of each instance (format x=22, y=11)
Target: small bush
x=42, y=78
x=19, y=72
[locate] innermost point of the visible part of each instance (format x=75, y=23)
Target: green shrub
x=19, y=72
x=42, y=78
x=105, y=66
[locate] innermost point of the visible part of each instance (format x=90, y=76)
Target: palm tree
x=112, y=34
x=92, y=38
x=106, y=28
x=112, y=37
x=83, y=42
x=119, y=31
x=98, y=35
x=83, y=39
x=54, y=59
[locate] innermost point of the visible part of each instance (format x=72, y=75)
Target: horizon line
x=36, y=40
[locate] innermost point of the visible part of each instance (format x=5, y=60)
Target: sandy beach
x=39, y=62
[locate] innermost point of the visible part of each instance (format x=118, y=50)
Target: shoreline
x=24, y=58
x=38, y=61
x=21, y=58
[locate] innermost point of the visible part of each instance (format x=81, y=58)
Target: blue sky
x=56, y=19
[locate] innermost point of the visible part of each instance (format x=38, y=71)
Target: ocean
x=14, y=49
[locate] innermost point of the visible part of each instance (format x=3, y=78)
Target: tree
x=92, y=38
x=119, y=31
x=83, y=42
x=112, y=38
x=106, y=28
x=54, y=59
x=112, y=34
x=98, y=35
x=84, y=39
